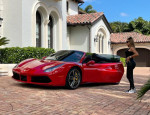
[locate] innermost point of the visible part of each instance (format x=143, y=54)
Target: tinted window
x=105, y=58
x=87, y=59
x=67, y=56
x=101, y=58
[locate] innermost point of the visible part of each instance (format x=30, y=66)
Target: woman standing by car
x=130, y=54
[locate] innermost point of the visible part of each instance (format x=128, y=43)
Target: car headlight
x=53, y=68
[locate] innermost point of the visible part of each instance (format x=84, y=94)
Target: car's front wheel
x=73, y=78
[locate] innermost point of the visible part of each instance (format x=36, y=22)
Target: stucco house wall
x=142, y=44
x=117, y=47
x=19, y=24
x=100, y=27
x=89, y=33
x=79, y=38
x=142, y=48
x=1, y=15
x=12, y=22
x=72, y=7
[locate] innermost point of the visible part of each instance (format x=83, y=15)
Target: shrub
x=16, y=54
x=143, y=90
x=87, y=53
x=123, y=60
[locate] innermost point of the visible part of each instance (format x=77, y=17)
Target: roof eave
x=107, y=24
x=77, y=24
x=125, y=42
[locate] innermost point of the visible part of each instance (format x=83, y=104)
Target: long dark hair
x=131, y=41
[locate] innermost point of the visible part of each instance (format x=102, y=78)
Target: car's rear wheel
x=73, y=78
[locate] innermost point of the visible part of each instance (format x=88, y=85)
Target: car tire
x=73, y=78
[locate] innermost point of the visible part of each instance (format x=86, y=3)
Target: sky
x=121, y=10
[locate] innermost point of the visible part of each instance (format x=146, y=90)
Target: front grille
x=40, y=79
x=16, y=76
x=23, y=78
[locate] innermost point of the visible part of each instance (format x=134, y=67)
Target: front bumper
x=40, y=80
x=45, y=79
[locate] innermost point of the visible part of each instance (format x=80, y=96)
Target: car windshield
x=66, y=55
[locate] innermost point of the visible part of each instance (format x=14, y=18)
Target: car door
x=103, y=72
x=93, y=72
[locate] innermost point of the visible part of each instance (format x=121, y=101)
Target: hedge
x=123, y=60
x=17, y=54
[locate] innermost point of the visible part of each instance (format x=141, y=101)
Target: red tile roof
x=122, y=37
x=83, y=18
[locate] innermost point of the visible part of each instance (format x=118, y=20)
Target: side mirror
x=92, y=62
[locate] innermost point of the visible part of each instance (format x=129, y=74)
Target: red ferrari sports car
x=70, y=68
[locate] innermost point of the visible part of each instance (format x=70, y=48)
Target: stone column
x=65, y=44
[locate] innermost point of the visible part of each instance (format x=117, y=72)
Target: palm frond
x=143, y=89
x=3, y=41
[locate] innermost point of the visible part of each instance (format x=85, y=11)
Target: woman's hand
x=128, y=59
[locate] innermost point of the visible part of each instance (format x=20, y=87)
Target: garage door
x=143, y=60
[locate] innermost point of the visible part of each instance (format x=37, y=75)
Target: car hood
x=42, y=64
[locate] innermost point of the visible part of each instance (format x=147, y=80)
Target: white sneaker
x=131, y=91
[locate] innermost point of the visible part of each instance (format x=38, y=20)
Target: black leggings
x=130, y=66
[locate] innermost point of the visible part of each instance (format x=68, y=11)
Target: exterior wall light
x=96, y=38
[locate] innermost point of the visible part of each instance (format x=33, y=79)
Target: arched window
x=50, y=33
x=102, y=44
x=38, y=29
x=99, y=44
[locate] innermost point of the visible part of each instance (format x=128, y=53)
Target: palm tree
x=140, y=25
x=3, y=41
x=119, y=26
x=143, y=89
x=137, y=25
x=88, y=9
x=146, y=28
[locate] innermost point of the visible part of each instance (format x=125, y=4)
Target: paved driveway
x=93, y=99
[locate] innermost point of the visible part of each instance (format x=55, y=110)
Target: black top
x=128, y=53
